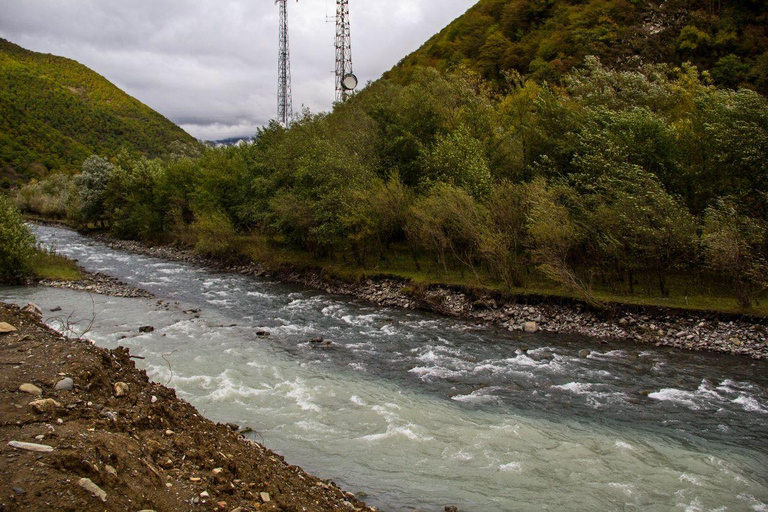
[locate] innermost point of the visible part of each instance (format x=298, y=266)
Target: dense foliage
x=544, y=39
x=54, y=113
x=17, y=245
x=618, y=181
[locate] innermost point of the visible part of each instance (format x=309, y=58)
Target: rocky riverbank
x=81, y=429
x=685, y=330
x=96, y=282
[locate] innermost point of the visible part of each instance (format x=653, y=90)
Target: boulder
x=530, y=327
x=584, y=353
x=146, y=328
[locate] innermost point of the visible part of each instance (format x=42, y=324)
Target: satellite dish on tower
x=349, y=82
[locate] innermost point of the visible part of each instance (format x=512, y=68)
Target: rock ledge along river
x=414, y=411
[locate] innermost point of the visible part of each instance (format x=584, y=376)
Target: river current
x=412, y=411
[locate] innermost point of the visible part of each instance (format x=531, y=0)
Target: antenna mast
x=346, y=81
x=284, y=95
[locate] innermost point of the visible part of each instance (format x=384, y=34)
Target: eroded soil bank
x=113, y=440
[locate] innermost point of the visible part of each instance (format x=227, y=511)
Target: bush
x=215, y=234
x=17, y=244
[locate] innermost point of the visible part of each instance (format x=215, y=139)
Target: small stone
x=146, y=328
x=204, y=495
x=238, y=509
x=451, y=508
x=218, y=471
x=94, y=489
x=195, y=479
x=530, y=327
x=169, y=432
x=263, y=334
x=55, y=310
x=44, y=405
x=121, y=389
x=31, y=389
x=19, y=490
x=153, y=399
x=584, y=353
x=264, y=497
x=5, y=328
x=110, y=470
x=65, y=384
x=222, y=505
x=32, y=447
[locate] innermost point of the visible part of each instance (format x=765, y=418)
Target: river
x=412, y=411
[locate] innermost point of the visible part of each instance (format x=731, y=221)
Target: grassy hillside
x=544, y=39
x=57, y=112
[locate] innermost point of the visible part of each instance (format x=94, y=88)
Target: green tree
x=16, y=244
x=91, y=186
x=735, y=247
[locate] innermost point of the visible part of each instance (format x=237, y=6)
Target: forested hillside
x=56, y=112
x=544, y=39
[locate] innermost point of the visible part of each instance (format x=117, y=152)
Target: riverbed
x=415, y=411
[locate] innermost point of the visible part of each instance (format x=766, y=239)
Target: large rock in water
x=530, y=327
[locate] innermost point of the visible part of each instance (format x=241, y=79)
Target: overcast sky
x=211, y=65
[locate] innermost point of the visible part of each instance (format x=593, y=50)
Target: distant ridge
x=544, y=39
x=55, y=112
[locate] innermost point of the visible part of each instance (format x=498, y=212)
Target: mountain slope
x=57, y=112
x=545, y=38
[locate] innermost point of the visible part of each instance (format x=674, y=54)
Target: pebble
x=121, y=389
x=5, y=328
x=31, y=389
x=32, y=447
x=44, y=405
x=19, y=490
x=218, y=471
x=94, y=489
x=204, y=495
x=264, y=497
x=65, y=384
x=146, y=328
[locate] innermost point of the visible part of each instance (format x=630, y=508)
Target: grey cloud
x=210, y=65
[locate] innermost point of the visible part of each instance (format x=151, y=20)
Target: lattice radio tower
x=284, y=95
x=346, y=81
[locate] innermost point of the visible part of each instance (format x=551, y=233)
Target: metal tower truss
x=284, y=94
x=346, y=81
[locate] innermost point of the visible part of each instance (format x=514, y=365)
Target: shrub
x=16, y=244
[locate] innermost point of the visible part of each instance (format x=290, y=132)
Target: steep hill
x=57, y=112
x=545, y=38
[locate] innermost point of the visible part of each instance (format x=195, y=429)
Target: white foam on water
x=357, y=400
x=260, y=295
x=301, y=394
x=627, y=489
x=750, y=404
x=478, y=396
x=426, y=373
x=692, y=479
x=621, y=445
x=511, y=467
x=676, y=396
x=754, y=503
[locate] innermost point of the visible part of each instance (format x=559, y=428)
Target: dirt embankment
x=109, y=439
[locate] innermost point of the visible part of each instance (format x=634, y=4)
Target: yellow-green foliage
x=46, y=264
x=16, y=244
x=544, y=39
x=57, y=112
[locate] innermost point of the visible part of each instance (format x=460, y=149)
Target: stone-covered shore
x=681, y=329
x=82, y=429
